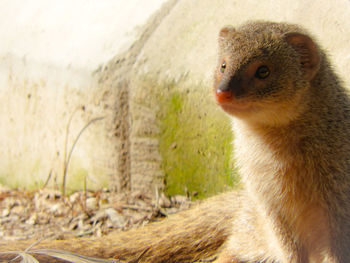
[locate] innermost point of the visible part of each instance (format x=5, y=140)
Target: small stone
x=164, y=201
x=99, y=216
x=5, y=212
x=91, y=203
x=116, y=218
x=17, y=210
x=31, y=220
x=57, y=209
x=179, y=199
x=73, y=198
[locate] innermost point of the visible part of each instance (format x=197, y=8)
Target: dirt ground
x=45, y=213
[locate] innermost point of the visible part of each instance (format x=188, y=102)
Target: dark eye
x=223, y=67
x=262, y=72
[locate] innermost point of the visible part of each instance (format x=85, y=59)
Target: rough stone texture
x=138, y=161
x=55, y=96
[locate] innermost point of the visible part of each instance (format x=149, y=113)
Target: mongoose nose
x=223, y=86
x=223, y=92
x=223, y=95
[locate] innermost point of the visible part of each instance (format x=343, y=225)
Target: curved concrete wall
x=50, y=53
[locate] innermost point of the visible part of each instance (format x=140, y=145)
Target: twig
x=65, y=153
x=66, y=162
x=48, y=179
x=134, y=207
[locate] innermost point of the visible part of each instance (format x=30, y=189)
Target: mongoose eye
x=262, y=72
x=223, y=67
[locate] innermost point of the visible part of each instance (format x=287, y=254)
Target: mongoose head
x=264, y=71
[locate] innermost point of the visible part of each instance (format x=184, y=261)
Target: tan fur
x=183, y=237
x=292, y=140
x=292, y=145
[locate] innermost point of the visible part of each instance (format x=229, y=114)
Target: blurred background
x=117, y=94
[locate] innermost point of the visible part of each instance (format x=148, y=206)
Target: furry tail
x=190, y=235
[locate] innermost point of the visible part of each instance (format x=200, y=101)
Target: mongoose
x=291, y=120
x=292, y=142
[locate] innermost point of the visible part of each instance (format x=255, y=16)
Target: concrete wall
x=120, y=61
x=50, y=53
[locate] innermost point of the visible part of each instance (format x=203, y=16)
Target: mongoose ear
x=226, y=31
x=308, y=53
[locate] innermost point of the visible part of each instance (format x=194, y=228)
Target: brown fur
x=183, y=237
x=292, y=139
x=292, y=144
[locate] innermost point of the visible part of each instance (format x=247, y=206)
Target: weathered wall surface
x=85, y=60
x=50, y=53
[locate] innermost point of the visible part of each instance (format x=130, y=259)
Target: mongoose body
x=291, y=119
x=292, y=127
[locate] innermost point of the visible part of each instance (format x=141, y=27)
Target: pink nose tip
x=223, y=96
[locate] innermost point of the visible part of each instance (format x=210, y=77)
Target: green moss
x=9, y=180
x=77, y=176
x=77, y=179
x=195, y=143
x=14, y=182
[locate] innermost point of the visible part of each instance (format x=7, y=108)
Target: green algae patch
x=25, y=178
x=78, y=178
x=195, y=142
x=15, y=182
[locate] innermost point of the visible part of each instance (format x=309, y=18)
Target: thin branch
x=65, y=152
x=66, y=164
